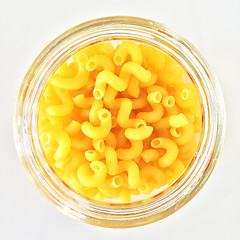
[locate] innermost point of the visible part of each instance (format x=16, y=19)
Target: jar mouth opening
x=159, y=205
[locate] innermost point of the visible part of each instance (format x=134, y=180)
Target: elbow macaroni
x=118, y=122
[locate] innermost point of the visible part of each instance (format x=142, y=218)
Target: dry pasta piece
x=177, y=121
x=156, y=114
x=101, y=131
x=138, y=133
x=133, y=172
x=64, y=108
x=101, y=62
x=125, y=49
x=123, y=119
x=186, y=97
x=93, y=174
x=132, y=152
x=73, y=82
x=171, y=151
x=174, y=171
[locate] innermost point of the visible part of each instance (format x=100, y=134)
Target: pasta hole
x=45, y=138
x=97, y=94
x=141, y=124
x=176, y=132
x=114, y=121
x=101, y=146
x=90, y=66
x=158, y=97
x=156, y=143
x=117, y=181
x=170, y=101
x=104, y=115
x=185, y=94
x=118, y=60
x=81, y=57
x=95, y=167
x=143, y=188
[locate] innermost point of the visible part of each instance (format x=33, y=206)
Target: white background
x=28, y=26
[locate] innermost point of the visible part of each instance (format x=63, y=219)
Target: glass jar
x=155, y=207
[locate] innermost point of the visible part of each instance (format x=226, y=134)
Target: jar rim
x=119, y=215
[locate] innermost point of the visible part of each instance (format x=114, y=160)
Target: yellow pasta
x=101, y=131
x=125, y=49
x=123, y=119
x=93, y=174
x=107, y=77
x=101, y=62
x=73, y=82
x=138, y=133
x=171, y=151
x=186, y=97
x=156, y=114
x=118, y=122
x=99, y=145
x=150, y=155
x=154, y=58
x=132, y=152
x=82, y=101
x=97, y=105
x=152, y=176
x=177, y=121
x=64, y=108
x=133, y=172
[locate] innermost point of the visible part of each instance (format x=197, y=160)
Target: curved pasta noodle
x=67, y=70
x=112, y=102
x=156, y=114
x=133, y=87
x=82, y=101
x=187, y=134
x=171, y=151
x=64, y=108
x=123, y=119
x=186, y=97
x=133, y=172
x=73, y=82
x=138, y=133
x=93, y=114
x=172, y=74
x=132, y=152
x=153, y=57
x=75, y=183
x=174, y=171
x=99, y=145
x=132, y=68
x=101, y=131
x=177, y=121
x=75, y=159
x=73, y=128
x=111, y=160
x=93, y=155
x=150, y=155
x=64, y=143
x=107, y=77
x=152, y=176
x=101, y=62
x=93, y=174
x=151, y=82
x=81, y=143
x=127, y=48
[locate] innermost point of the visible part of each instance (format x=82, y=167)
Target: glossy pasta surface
x=118, y=120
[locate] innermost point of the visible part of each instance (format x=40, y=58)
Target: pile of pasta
x=118, y=121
